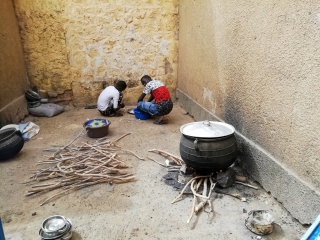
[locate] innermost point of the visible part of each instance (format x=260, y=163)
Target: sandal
x=161, y=122
x=117, y=114
x=130, y=111
x=91, y=106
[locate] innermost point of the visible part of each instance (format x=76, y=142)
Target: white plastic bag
x=28, y=130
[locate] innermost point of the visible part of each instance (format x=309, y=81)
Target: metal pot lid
x=59, y=234
x=55, y=224
x=207, y=129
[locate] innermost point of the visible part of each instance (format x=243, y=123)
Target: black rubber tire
x=34, y=104
x=11, y=142
x=32, y=96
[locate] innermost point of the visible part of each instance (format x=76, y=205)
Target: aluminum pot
x=208, y=146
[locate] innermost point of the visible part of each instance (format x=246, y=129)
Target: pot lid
x=207, y=129
x=54, y=224
x=55, y=227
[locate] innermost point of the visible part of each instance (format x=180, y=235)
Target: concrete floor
x=135, y=210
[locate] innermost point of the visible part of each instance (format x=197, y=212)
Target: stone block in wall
x=14, y=112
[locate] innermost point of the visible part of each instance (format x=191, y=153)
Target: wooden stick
x=192, y=209
x=98, y=175
x=198, y=195
x=248, y=185
x=200, y=206
x=115, y=141
x=103, y=164
x=235, y=195
x=212, y=186
x=243, y=179
x=58, y=194
x=181, y=193
x=176, y=159
x=203, y=199
x=198, y=184
x=43, y=185
x=205, y=187
x=157, y=162
x=58, y=151
x=60, y=169
x=128, y=151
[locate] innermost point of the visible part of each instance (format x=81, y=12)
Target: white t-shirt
x=108, y=97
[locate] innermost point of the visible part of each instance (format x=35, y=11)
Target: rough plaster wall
x=13, y=74
x=255, y=65
x=197, y=68
x=80, y=44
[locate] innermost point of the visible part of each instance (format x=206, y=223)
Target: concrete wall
x=79, y=46
x=13, y=74
x=255, y=65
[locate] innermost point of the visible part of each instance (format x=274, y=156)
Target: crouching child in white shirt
x=110, y=99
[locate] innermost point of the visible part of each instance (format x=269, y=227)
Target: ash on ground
x=176, y=179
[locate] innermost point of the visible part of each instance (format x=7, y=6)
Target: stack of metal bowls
x=56, y=228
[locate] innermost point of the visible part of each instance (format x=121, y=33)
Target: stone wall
x=255, y=65
x=83, y=45
x=13, y=72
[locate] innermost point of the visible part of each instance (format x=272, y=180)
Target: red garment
x=157, y=90
x=160, y=94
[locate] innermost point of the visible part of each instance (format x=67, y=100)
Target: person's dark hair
x=121, y=85
x=146, y=77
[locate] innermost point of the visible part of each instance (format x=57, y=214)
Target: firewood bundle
x=200, y=200
x=73, y=167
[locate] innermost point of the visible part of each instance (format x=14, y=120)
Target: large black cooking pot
x=208, y=146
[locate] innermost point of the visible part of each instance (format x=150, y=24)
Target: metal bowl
x=56, y=228
x=62, y=236
x=67, y=236
x=55, y=224
x=260, y=222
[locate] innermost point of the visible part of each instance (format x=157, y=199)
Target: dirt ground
x=136, y=210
